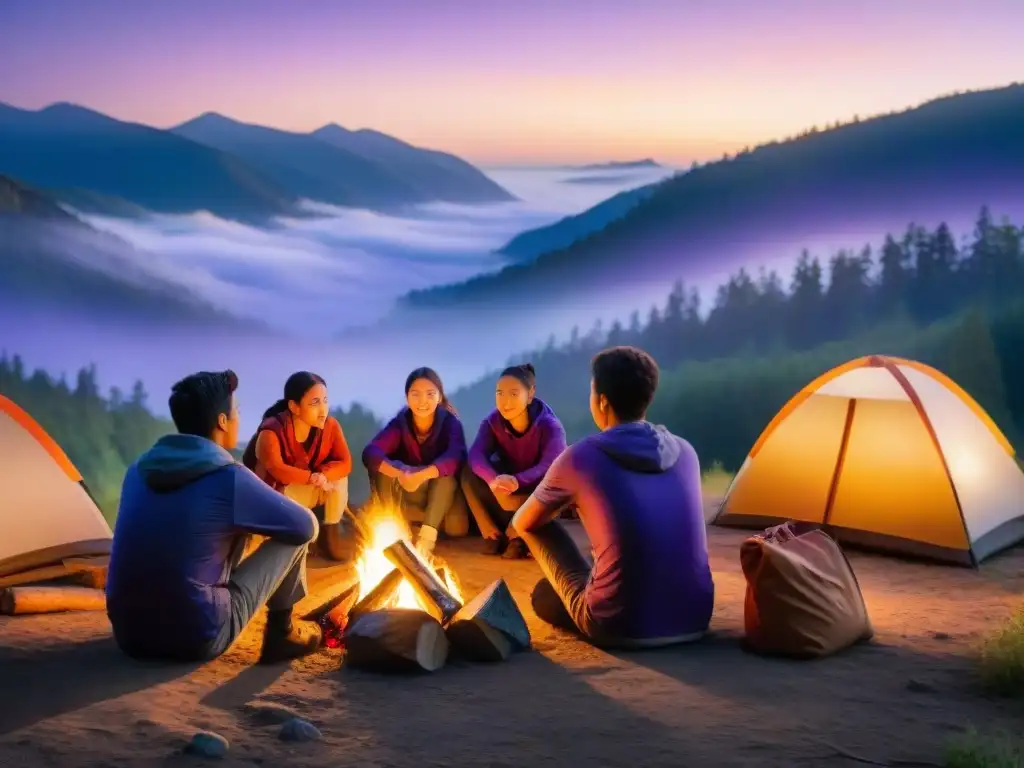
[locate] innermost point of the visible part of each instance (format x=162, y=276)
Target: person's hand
x=410, y=481
x=505, y=484
x=318, y=480
x=490, y=533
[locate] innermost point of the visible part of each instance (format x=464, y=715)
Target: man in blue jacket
x=177, y=587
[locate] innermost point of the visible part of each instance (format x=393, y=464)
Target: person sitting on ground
x=637, y=490
x=299, y=449
x=513, y=449
x=415, y=459
x=177, y=587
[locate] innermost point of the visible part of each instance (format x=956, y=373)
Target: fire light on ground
x=381, y=526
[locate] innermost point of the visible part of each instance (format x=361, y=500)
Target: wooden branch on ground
x=24, y=600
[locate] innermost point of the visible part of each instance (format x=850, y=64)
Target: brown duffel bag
x=803, y=599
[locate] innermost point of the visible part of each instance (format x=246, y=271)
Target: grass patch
x=1002, y=659
x=975, y=751
x=715, y=481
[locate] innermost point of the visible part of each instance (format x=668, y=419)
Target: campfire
x=381, y=527
x=409, y=611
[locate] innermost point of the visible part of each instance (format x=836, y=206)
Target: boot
x=496, y=545
x=516, y=550
x=285, y=639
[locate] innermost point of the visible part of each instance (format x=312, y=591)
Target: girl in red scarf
x=299, y=449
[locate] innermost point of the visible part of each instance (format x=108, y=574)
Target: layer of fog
x=342, y=267
x=313, y=276
x=309, y=278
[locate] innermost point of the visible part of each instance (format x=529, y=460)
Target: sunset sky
x=528, y=81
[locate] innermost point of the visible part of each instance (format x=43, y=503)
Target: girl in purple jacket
x=513, y=449
x=416, y=458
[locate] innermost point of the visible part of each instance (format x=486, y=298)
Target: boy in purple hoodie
x=514, y=448
x=637, y=490
x=416, y=458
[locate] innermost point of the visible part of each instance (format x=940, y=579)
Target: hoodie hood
x=539, y=412
x=640, y=446
x=176, y=460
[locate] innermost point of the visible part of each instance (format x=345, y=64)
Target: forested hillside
x=727, y=370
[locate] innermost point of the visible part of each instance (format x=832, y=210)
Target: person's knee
x=446, y=482
x=544, y=599
x=510, y=502
x=314, y=529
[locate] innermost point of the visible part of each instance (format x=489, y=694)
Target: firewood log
x=490, y=627
x=428, y=585
x=18, y=601
x=380, y=597
x=396, y=640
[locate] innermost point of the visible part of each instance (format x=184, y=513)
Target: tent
x=46, y=513
x=890, y=454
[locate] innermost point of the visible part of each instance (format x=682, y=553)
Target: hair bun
x=529, y=367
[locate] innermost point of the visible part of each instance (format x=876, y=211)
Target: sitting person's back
x=174, y=587
x=637, y=489
x=640, y=503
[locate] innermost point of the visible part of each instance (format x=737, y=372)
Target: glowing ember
x=382, y=526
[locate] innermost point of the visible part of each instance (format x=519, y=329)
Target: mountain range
x=232, y=169
x=528, y=245
x=52, y=260
x=941, y=160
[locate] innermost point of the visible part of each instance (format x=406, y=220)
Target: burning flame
x=382, y=526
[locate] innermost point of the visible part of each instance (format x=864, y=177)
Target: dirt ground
x=69, y=698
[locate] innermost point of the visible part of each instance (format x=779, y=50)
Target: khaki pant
x=333, y=501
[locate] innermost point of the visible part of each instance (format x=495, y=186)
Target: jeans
x=560, y=597
x=492, y=511
x=274, y=574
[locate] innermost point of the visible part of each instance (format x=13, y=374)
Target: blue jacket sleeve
x=260, y=509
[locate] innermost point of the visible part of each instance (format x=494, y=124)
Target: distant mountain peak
x=620, y=165
x=332, y=128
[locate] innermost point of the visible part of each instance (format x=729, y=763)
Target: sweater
x=499, y=449
x=281, y=460
x=396, y=443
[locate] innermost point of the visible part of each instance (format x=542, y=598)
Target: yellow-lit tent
x=46, y=513
x=887, y=453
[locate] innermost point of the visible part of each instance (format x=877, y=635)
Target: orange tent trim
x=29, y=424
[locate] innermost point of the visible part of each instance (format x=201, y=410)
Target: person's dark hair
x=628, y=377
x=298, y=384
x=525, y=372
x=430, y=375
x=198, y=400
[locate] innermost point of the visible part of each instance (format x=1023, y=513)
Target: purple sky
x=522, y=81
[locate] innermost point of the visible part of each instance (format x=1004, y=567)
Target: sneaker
x=516, y=550
x=495, y=546
x=285, y=639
